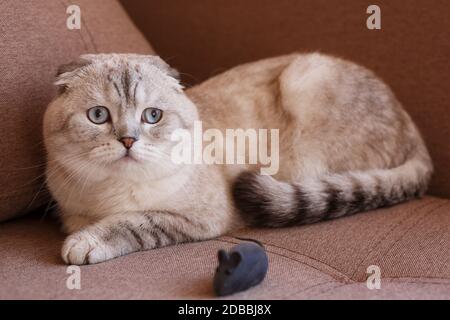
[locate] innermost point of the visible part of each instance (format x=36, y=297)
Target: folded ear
x=66, y=71
x=163, y=66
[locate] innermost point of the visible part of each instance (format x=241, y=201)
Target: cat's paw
x=84, y=247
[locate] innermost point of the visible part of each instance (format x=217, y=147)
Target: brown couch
x=410, y=243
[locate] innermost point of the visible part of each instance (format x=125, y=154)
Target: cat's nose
x=127, y=141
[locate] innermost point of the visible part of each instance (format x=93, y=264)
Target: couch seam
x=65, y=4
x=426, y=278
x=343, y=277
x=360, y=282
x=329, y=289
x=426, y=205
x=430, y=213
x=91, y=38
x=420, y=282
x=308, y=288
x=341, y=273
x=437, y=207
x=390, y=280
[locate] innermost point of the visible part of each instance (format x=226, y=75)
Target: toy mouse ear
x=235, y=259
x=223, y=256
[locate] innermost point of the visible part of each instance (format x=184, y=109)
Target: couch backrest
x=34, y=41
x=411, y=51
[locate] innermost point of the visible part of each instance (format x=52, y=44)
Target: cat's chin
x=127, y=159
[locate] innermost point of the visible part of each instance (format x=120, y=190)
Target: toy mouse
x=244, y=266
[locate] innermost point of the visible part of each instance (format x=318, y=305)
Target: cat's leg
x=75, y=222
x=129, y=232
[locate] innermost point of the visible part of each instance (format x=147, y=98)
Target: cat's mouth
x=127, y=158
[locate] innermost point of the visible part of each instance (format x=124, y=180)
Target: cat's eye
x=98, y=114
x=152, y=115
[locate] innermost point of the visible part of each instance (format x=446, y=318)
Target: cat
x=345, y=145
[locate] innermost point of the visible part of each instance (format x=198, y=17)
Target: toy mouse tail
x=250, y=240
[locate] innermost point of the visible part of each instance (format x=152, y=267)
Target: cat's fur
x=346, y=145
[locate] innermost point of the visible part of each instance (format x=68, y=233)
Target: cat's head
x=115, y=114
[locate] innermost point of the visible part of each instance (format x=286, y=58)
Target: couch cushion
x=411, y=51
x=34, y=41
x=409, y=242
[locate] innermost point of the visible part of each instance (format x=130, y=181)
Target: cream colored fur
x=334, y=118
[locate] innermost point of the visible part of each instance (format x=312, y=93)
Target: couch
x=409, y=244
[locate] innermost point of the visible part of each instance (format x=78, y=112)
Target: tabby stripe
x=332, y=201
x=172, y=234
x=135, y=234
x=378, y=194
x=184, y=218
x=118, y=90
x=158, y=231
x=153, y=231
x=302, y=204
x=164, y=232
x=134, y=92
x=358, y=197
x=126, y=84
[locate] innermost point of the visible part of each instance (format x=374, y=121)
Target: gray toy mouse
x=244, y=266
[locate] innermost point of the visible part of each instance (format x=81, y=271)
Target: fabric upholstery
x=409, y=242
x=34, y=41
x=410, y=52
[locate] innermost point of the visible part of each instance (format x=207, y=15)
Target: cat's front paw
x=84, y=247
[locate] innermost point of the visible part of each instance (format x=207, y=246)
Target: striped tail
x=266, y=202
